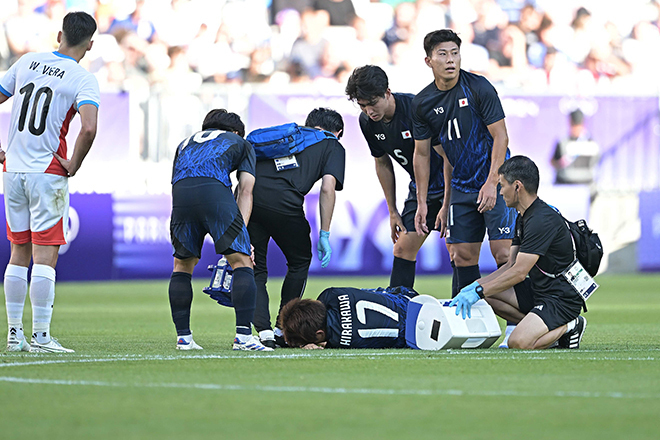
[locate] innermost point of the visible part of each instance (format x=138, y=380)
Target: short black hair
x=432, y=39
x=223, y=120
x=523, y=169
x=327, y=119
x=577, y=117
x=78, y=27
x=367, y=83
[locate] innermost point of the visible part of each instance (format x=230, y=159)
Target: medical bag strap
x=550, y=275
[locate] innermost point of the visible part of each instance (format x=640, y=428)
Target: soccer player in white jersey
x=48, y=90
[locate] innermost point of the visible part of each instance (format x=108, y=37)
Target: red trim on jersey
x=20, y=237
x=55, y=166
x=50, y=237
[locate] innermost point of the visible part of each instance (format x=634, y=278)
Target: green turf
x=126, y=381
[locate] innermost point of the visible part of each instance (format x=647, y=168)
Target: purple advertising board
x=648, y=246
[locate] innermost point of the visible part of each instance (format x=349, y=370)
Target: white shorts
x=37, y=208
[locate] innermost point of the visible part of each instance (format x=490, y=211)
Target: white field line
x=31, y=360
x=329, y=390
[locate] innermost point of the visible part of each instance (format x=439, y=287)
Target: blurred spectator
x=279, y=6
x=405, y=16
x=27, y=31
x=474, y=58
x=306, y=53
x=342, y=12
x=136, y=23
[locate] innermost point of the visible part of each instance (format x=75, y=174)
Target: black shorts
x=200, y=206
x=554, y=311
x=434, y=204
x=468, y=225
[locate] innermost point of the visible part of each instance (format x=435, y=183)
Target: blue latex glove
x=323, y=248
x=465, y=299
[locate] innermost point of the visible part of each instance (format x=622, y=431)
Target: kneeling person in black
x=278, y=214
x=203, y=203
x=546, y=308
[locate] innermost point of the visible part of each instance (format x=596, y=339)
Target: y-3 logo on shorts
x=540, y=307
x=439, y=110
x=505, y=230
x=380, y=137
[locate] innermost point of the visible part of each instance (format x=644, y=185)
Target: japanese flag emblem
x=462, y=102
x=406, y=134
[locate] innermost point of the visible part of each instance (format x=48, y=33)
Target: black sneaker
x=572, y=339
x=270, y=343
x=280, y=342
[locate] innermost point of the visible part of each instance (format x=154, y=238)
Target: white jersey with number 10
x=48, y=89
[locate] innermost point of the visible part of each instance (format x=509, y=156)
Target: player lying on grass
x=545, y=306
x=347, y=317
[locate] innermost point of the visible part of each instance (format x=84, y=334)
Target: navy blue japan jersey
x=213, y=153
x=395, y=138
x=362, y=318
x=458, y=119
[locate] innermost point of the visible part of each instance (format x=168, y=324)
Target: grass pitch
x=126, y=380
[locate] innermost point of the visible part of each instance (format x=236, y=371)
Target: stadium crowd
x=570, y=46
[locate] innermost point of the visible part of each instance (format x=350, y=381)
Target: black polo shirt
x=284, y=191
x=542, y=231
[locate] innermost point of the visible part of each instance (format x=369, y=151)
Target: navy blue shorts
x=468, y=225
x=200, y=206
x=434, y=204
x=554, y=311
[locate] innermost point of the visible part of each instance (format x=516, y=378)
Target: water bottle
x=223, y=276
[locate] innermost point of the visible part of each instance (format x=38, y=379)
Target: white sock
x=42, y=296
x=267, y=335
x=16, y=286
x=278, y=332
x=571, y=325
x=509, y=330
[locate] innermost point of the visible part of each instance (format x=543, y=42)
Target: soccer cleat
x=183, y=344
x=16, y=344
x=280, y=342
x=252, y=344
x=572, y=339
x=267, y=338
x=51, y=346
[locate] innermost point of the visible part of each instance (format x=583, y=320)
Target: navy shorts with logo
x=433, y=202
x=555, y=311
x=200, y=206
x=468, y=225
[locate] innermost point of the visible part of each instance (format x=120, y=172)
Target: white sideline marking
x=404, y=354
x=327, y=390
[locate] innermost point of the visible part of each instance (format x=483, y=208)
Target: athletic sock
x=181, y=294
x=467, y=275
x=16, y=287
x=571, y=325
x=42, y=297
x=403, y=273
x=244, y=297
x=454, y=280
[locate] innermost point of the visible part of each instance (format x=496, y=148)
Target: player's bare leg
x=532, y=334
